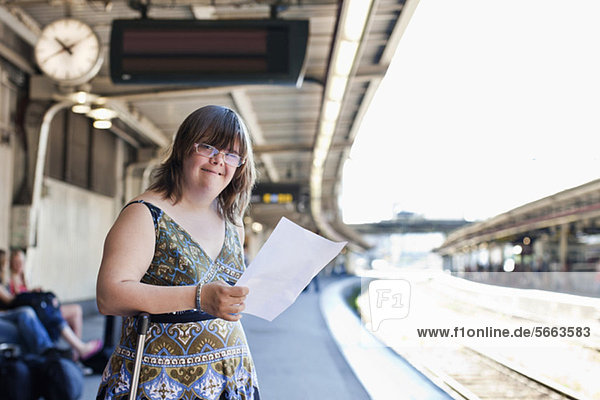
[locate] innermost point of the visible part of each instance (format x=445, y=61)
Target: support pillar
x=563, y=249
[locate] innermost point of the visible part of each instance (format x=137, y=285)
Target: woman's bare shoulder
x=134, y=212
x=150, y=197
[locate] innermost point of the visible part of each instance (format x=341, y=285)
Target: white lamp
x=101, y=116
x=101, y=113
x=102, y=124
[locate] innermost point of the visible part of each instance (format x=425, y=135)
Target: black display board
x=208, y=52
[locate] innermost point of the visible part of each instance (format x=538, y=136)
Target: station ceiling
x=284, y=121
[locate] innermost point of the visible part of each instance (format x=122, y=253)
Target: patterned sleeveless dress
x=185, y=361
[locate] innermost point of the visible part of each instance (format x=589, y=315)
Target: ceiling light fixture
x=101, y=113
x=353, y=19
x=81, y=108
x=82, y=100
x=102, y=124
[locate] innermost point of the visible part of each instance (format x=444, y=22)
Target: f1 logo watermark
x=388, y=299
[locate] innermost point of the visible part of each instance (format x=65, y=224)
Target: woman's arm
x=128, y=251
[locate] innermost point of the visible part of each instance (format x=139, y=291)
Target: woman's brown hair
x=222, y=128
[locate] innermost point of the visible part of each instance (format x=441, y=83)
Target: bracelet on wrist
x=198, y=299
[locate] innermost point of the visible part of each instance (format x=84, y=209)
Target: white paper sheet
x=285, y=264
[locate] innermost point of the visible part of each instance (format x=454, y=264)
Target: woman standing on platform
x=174, y=252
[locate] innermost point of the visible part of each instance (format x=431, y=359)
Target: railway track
x=515, y=380
x=471, y=374
x=494, y=369
x=474, y=370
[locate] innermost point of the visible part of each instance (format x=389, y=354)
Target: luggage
x=55, y=377
x=15, y=378
x=47, y=308
x=31, y=376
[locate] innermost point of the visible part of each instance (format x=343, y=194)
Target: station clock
x=69, y=51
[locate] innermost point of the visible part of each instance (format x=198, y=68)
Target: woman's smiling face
x=209, y=172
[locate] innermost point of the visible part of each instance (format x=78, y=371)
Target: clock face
x=69, y=51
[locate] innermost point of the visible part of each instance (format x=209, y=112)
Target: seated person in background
x=21, y=326
x=83, y=350
x=72, y=313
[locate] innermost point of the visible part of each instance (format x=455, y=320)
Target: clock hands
x=79, y=41
x=53, y=54
x=64, y=46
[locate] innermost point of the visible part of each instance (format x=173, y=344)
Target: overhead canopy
x=302, y=135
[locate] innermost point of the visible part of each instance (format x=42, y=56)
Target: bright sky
x=488, y=105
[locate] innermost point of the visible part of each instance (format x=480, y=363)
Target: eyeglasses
x=206, y=150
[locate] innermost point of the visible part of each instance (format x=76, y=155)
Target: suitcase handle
x=143, y=323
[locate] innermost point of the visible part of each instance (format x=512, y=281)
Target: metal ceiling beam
x=139, y=123
x=371, y=72
x=235, y=4
x=21, y=23
x=295, y=147
x=125, y=136
x=105, y=87
x=16, y=59
x=218, y=4
x=406, y=15
x=244, y=107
